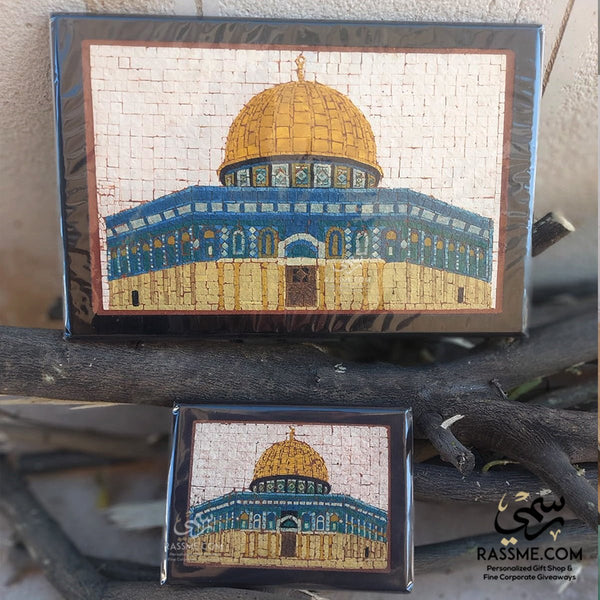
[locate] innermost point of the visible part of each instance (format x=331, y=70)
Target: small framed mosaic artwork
x=288, y=177
x=305, y=496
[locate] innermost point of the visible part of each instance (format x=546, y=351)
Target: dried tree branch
x=39, y=363
x=548, y=230
x=569, y=397
x=444, y=441
x=36, y=362
x=436, y=483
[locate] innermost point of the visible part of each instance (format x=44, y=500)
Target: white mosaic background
x=225, y=454
x=162, y=114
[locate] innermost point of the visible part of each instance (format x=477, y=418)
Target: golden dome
x=300, y=118
x=291, y=457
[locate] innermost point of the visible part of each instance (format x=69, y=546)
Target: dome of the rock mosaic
x=303, y=121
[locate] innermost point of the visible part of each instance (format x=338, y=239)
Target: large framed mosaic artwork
x=256, y=176
x=306, y=495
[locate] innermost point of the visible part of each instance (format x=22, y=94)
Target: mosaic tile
x=299, y=142
x=358, y=178
x=243, y=177
x=301, y=175
x=300, y=492
x=341, y=177
x=280, y=175
x=322, y=175
x=260, y=176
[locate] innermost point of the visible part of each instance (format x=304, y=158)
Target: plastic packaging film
x=298, y=178
x=302, y=496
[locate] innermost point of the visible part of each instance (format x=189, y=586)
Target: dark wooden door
x=301, y=285
x=288, y=543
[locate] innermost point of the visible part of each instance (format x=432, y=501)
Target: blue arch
x=301, y=249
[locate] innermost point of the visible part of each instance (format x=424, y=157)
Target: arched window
x=238, y=242
x=481, y=264
x=452, y=256
x=157, y=254
x=209, y=243
x=267, y=243
x=333, y=522
x=334, y=243
x=146, y=260
x=403, y=245
x=244, y=520
x=413, y=247
x=123, y=261
x=256, y=521
x=439, y=254
x=114, y=263
x=306, y=522
x=428, y=251
x=462, y=259
x=171, y=251
x=362, y=243
x=320, y=523
x=134, y=258
x=186, y=245
x=271, y=521
x=472, y=263
x=390, y=244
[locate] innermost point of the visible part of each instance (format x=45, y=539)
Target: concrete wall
x=30, y=268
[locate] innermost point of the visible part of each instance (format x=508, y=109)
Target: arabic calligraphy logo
x=529, y=519
x=196, y=526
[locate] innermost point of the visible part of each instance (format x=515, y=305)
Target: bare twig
x=436, y=483
x=450, y=449
x=557, y=43
x=547, y=231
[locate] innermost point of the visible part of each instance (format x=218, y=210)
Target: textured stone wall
x=313, y=550
x=258, y=285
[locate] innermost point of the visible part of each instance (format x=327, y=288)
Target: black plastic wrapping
x=368, y=300
x=355, y=532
